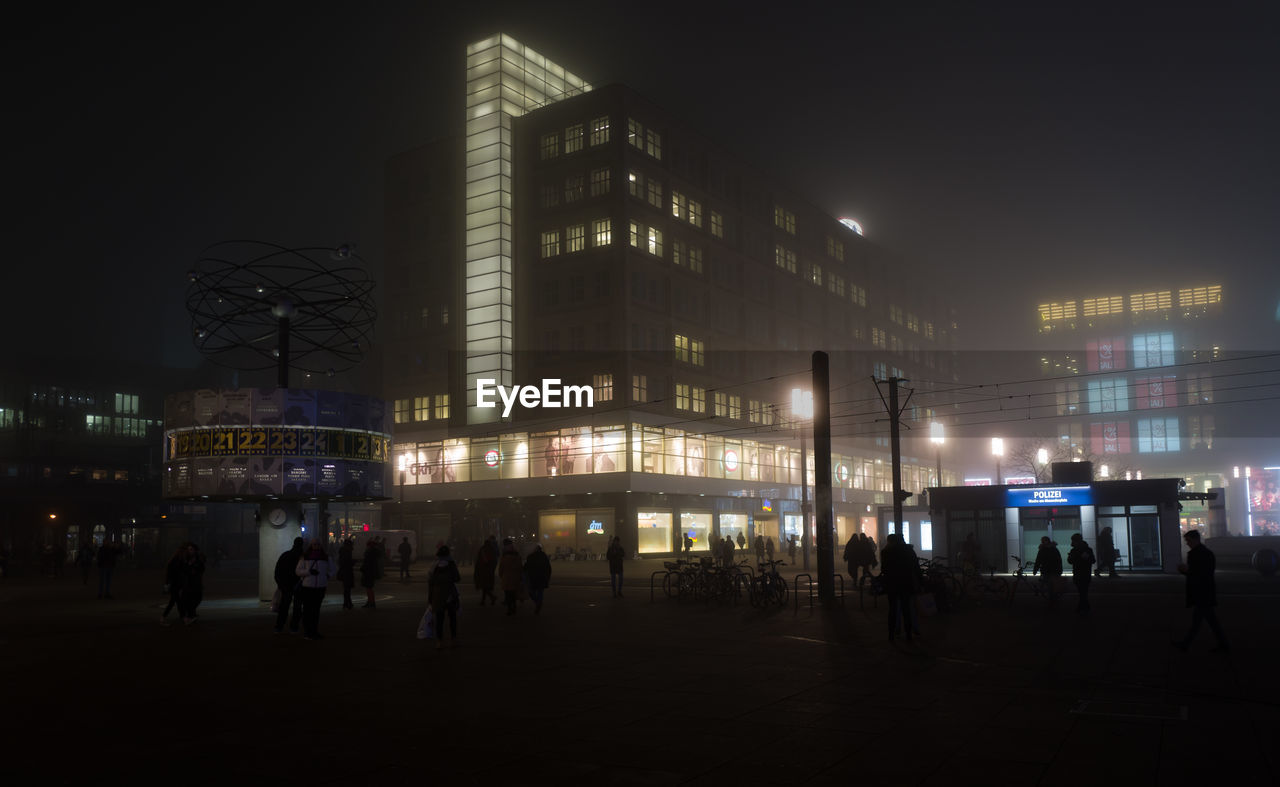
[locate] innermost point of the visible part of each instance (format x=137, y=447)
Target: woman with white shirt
x=316, y=569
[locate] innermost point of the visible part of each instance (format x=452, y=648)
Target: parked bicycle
x=1024, y=576
x=768, y=586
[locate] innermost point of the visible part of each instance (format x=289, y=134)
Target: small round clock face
x=277, y=517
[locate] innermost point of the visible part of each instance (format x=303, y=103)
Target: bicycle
x=988, y=584
x=769, y=587
x=1020, y=577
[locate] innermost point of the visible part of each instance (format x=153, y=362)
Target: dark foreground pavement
x=597, y=690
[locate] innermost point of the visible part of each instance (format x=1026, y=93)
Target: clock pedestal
x=279, y=523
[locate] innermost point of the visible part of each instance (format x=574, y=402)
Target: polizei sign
x=1033, y=496
x=548, y=395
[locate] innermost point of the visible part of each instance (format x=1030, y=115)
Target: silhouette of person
x=287, y=582
x=1081, y=559
x=1049, y=565
x=1202, y=592
x=900, y=572
x=615, y=555
x=442, y=595
x=406, y=552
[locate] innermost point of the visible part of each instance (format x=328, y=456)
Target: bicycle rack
x=663, y=572
x=796, y=589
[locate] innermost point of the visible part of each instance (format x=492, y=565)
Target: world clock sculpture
x=255, y=306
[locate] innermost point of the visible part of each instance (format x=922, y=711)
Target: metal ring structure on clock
x=239, y=290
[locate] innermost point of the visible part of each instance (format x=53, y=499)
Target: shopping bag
x=427, y=627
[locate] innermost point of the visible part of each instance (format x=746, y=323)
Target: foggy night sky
x=1011, y=147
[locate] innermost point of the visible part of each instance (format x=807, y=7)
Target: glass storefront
x=733, y=524
x=1135, y=535
x=580, y=533
x=653, y=532
x=697, y=526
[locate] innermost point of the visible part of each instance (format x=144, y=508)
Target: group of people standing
x=531, y=576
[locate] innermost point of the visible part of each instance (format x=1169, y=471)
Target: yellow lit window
x=1200, y=296
x=1150, y=301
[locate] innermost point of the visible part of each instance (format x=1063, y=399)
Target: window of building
x=602, y=232
x=878, y=337
x=1108, y=396
x=835, y=283
x=1153, y=349
x=879, y=370
x=403, y=411
x=603, y=385
x=815, y=274
x=444, y=315
x=895, y=314
x=550, y=243
x=1101, y=307
x=1104, y=438
x=913, y=324
x=1151, y=393
x=721, y=402
x=599, y=182
x=1200, y=431
x=422, y=408
x=655, y=241
x=635, y=235
x=575, y=238
x=678, y=255
x=1157, y=435
x=1150, y=301
x=600, y=130
x=1199, y=389
x=549, y=197
x=126, y=403
x=858, y=294
x=679, y=205
x=442, y=406
x=784, y=258
x=1199, y=296
x=653, y=143
x=717, y=225
x=1067, y=396
x=695, y=259
x=550, y=147
x=639, y=388
x=835, y=248
x=573, y=188
x=681, y=346
x=635, y=184
x=654, y=191
x=573, y=138
x=696, y=355
x=635, y=134
x=928, y=330
x=784, y=219
x=682, y=396
x=695, y=213
x=698, y=399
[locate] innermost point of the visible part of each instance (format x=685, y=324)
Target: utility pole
x=895, y=447
x=822, y=477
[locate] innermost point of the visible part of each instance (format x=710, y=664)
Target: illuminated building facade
x=591, y=239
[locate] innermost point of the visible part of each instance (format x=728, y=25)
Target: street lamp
x=1042, y=458
x=997, y=450
x=802, y=409
x=937, y=438
x=1105, y=471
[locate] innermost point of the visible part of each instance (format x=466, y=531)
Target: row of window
x=645, y=140
x=683, y=207
x=575, y=238
x=1146, y=435
x=575, y=187
x=419, y=408
x=1144, y=393
x=1160, y=300
x=574, y=137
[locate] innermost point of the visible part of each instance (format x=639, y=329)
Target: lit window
x=1150, y=301
x=655, y=241
x=601, y=231
x=600, y=130
x=912, y=323
x=679, y=205
x=1100, y=307
x=717, y=225
x=603, y=385
x=695, y=213
x=635, y=235
x=127, y=403
x=635, y=134
x=550, y=146
x=653, y=144
x=550, y=243
x=635, y=184
x=1157, y=435
x=735, y=407
x=681, y=345
x=1153, y=349
x=639, y=388
x=599, y=182
x=928, y=330
x=784, y=219
x=815, y=274
x=575, y=238
x=696, y=355
x=654, y=192
x=442, y=406
x=682, y=396
x=573, y=188
x=422, y=408
x=784, y=258
x=1200, y=296
x=1108, y=396
x=721, y=404
x=573, y=139
x=403, y=411
x=698, y=400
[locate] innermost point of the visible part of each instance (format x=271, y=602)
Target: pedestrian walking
x=853, y=556
x=688, y=545
x=1106, y=552
x=173, y=576
x=405, y=551
x=315, y=570
x=192, y=584
x=442, y=595
x=347, y=571
x=615, y=555
x=728, y=552
x=768, y=548
x=1049, y=565
x=537, y=571
x=759, y=548
x=1081, y=559
x=1202, y=592
x=486, y=565
x=900, y=573
x=107, y=556
x=287, y=582
x=509, y=572
x=742, y=542
x=791, y=549
x=84, y=559
x=371, y=569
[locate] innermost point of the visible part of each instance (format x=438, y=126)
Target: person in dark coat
x=1049, y=565
x=537, y=572
x=371, y=569
x=509, y=570
x=1106, y=552
x=442, y=595
x=173, y=583
x=406, y=552
x=486, y=565
x=1202, y=592
x=853, y=555
x=615, y=554
x=192, y=584
x=900, y=573
x=287, y=583
x=1081, y=559
x=347, y=571
x=107, y=555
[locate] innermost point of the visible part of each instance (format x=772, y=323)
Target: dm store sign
x=1033, y=496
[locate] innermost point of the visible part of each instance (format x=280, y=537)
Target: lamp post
x=937, y=438
x=802, y=410
x=1042, y=459
x=997, y=450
